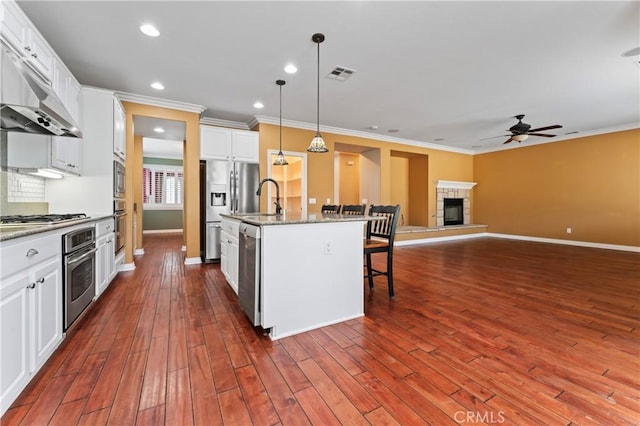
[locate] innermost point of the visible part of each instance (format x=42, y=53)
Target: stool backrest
x=383, y=228
x=355, y=209
x=330, y=208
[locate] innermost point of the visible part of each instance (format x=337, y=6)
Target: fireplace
x=453, y=202
x=453, y=211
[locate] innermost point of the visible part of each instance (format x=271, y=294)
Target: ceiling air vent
x=340, y=73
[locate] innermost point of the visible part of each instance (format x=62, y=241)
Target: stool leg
x=369, y=271
x=390, y=274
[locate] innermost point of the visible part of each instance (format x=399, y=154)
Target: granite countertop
x=9, y=232
x=264, y=219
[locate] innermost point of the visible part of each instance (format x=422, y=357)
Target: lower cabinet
x=105, y=255
x=229, y=251
x=31, y=324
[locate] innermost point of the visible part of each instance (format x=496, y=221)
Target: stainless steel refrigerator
x=226, y=187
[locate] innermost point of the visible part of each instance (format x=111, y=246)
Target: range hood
x=28, y=104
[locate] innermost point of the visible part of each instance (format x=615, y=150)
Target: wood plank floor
x=482, y=331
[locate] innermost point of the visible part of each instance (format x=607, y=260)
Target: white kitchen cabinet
x=30, y=310
x=229, y=260
x=21, y=35
x=220, y=143
x=105, y=255
x=119, y=135
x=66, y=155
x=67, y=88
x=27, y=150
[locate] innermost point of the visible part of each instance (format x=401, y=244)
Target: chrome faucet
x=277, y=203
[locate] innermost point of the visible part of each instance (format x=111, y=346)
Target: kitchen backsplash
x=22, y=194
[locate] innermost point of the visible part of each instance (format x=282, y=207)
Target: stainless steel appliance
x=79, y=272
x=118, y=180
x=120, y=219
x=41, y=219
x=28, y=103
x=249, y=271
x=226, y=187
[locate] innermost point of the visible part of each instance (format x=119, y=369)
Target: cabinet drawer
x=25, y=254
x=104, y=227
x=231, y=227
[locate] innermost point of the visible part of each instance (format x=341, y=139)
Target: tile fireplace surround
x=453, y=189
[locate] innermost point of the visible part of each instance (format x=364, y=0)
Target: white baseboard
x=125, y=267
x=162, y=231
x=522, y=238
x=138, y=252
x=192, y=261
x=566, y=242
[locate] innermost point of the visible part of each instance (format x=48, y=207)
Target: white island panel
x=311, y=276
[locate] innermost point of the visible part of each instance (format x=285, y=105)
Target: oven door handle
x=78, y=259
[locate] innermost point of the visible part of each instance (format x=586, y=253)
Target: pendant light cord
x=318, y=98
x=280, y=117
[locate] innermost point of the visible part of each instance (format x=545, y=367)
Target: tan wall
x=191, y=162
x=442, y=165
x=400, y=187
x=590, y=184
x=418, y=191
x=349, y=178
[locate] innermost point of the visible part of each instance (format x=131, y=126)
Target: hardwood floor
x=481, y=331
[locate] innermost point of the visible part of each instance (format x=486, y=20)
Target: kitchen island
x=309, y=270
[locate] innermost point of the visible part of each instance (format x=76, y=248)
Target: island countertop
x=264, y=219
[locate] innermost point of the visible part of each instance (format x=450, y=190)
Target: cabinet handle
x=40, y=281
x=35, y=55
x=31, y=286
x=32, y=252
x=27, y=48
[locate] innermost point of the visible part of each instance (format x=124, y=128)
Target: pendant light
x=280, y=160
x=317, y=143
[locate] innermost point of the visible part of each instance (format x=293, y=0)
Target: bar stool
x=379, y=239
x=330, y=209
x=355, y=209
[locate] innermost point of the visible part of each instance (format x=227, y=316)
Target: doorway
x=292, y=180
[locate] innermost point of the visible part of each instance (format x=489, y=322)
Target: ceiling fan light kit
x=317, y=143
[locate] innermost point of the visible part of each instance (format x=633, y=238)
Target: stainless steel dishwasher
x=249, y=274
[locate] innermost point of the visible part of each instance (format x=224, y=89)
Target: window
x=163, y=187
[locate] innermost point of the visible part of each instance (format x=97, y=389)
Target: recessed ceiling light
x=157, y=85
x=438, y=139
x=373, y=127
x=158, y=130
x=149, y=30
x=291, y=69
x=258, y=105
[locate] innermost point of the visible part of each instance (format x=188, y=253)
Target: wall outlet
x=568, y=230
x=312, y=200
x=328, y=200
x=327, y=247
x=365, y=201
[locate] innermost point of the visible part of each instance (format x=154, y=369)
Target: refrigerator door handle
x=231, y=193
x=236, y=189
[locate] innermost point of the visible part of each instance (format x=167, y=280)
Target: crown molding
x=357, y=133
x=209, y=121
x=159, y=102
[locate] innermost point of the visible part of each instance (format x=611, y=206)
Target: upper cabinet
x=119, y=135
x=220, y=143
x=67, y=88
x=22, y=36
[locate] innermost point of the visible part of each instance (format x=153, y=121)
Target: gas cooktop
x=40, y=219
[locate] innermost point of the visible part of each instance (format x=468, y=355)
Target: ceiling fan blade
x=555, y=126
x=507, y=141
x=541, y=134
x=493, y=137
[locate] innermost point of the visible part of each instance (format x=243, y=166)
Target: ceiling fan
x=521, y=131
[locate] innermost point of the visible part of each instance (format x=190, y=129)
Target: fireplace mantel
x=452, y=184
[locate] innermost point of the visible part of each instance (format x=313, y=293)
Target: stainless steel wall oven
x=79, y=248
x=118, y=179
x=120, y=216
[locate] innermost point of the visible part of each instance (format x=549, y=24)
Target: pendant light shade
x=280, y=159
x=317, y=143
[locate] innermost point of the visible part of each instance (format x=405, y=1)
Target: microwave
x=118, y=180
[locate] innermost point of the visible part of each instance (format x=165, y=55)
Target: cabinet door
x=102, y=267
x=119, y=135
x=215, y=143
x=111, y=257
x=246, y=146
x=73, y=98
x=65, y=154
x=233, y=263
x=224, y=258
x=14, y=324
x=39, y=54
x=13, y=26
x=46, y=311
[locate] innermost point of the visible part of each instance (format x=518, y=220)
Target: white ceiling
x=446, y=73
